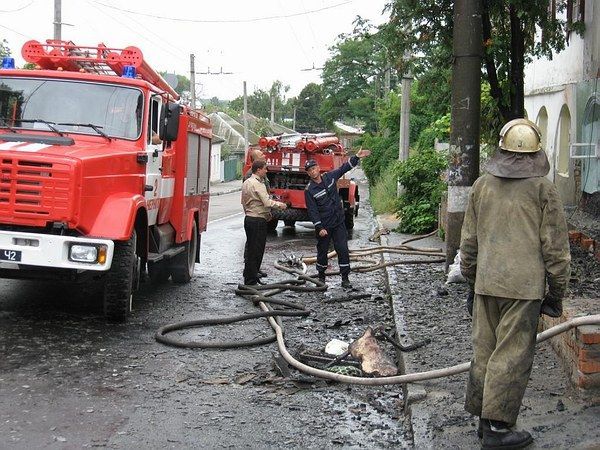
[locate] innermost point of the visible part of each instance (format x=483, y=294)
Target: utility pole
x=388, y=76
x=192, y=81
x=404, y=117
x=404, y=121
x=57, y=19
x=245, y=119
x=463, y=167
x=294, y=120
x=272, y=108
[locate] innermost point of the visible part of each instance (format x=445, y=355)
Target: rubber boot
x=321, y=277
x=346, y=282
x=497, y=435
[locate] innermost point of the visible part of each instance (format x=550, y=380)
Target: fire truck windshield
x=26, y=103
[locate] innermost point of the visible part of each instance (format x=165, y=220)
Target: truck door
x=154, y=149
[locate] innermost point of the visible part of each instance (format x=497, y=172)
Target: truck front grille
x=34, y=190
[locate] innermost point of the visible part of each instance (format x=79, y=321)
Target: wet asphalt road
x=69, y=379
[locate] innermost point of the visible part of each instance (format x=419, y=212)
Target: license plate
x=10, y=255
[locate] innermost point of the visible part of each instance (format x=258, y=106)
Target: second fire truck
x=285, y=155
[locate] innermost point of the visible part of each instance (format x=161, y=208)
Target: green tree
x=183, y=83
x=308, y=105
x=259, y=102
x=424, y=27
x=353, y=78
x=4, y=50
x=213, y=104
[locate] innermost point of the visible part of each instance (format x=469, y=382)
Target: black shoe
x=497, y=435
x=346, y=283
x=259, y=281
x=261, y=274
x=321, y=277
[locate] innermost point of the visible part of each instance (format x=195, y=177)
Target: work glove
x=552, y=306
x=470, y=299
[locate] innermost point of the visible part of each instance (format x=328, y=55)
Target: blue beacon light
x=8, y=62
x=129, y=72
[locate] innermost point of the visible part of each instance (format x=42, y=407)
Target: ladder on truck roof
x=102, y=60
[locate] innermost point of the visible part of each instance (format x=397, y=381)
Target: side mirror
x=169, y=122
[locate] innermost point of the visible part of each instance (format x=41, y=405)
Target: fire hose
x=261, y=295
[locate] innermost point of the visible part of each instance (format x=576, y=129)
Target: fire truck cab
x=285, y=155
x=102, y=173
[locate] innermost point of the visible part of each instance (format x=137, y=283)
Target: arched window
x=563, y=141
x=542, y=123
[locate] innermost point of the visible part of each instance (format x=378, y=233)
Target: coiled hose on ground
x=261, y=295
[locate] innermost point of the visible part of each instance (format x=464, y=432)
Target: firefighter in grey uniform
x=514, y=241
x=327, y=214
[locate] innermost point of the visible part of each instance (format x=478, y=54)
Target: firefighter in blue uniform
x=327, y=214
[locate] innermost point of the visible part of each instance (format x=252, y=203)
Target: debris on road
x=373, y=360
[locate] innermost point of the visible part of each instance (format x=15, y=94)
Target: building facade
x=562, y=97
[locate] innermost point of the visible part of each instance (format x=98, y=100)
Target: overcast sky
x=259, y=41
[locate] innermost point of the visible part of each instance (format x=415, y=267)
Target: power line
x=294, y=33
x=255, y=19
x=15, y=31
x=312, y=68
x=161, y=39
x=208, y=72
x=136, y=31
x=17, y=9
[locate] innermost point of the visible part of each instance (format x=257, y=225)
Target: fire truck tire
x=182, y=265
x=289, y=223
x=159, y=272
x=121, y=280
x=272, y=224
x=349, y=219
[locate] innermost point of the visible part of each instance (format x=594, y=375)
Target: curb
x=212, y=194
x=417, y=417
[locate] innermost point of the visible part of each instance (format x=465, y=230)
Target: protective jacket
x=514, y=238
x=323, y=200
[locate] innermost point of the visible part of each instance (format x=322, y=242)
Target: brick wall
x=588, y=244
x=579, y=348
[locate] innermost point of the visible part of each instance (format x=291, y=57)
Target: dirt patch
x=585, y=274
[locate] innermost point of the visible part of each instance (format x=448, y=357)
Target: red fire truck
x=102, y=173
x=286, y=155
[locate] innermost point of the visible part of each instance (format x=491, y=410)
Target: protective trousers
x=340, y=243
x=504, y=332
x=256, y=239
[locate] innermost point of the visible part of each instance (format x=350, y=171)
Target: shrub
x=384, y=193
x=423, y=188
x=384, y=152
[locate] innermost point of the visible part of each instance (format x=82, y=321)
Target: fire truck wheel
x=120, y=280
x=289, y=223
x=158, y=272
x=272, y=224
x=349, y=220
x=182, y=265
